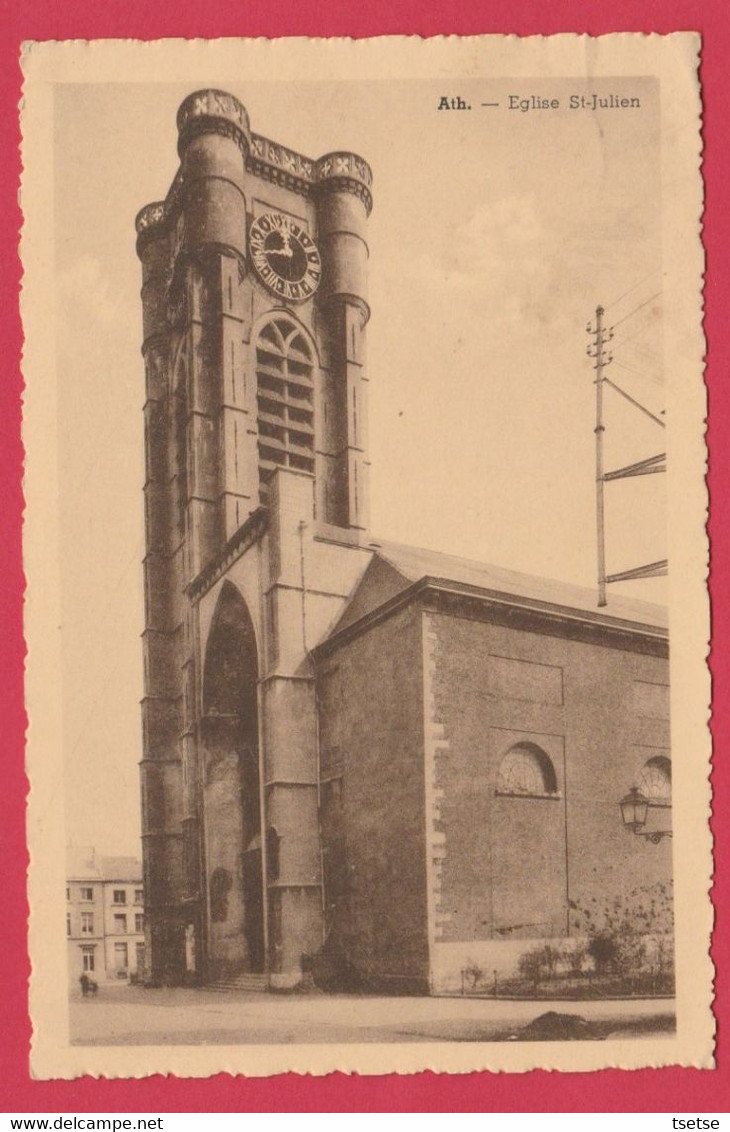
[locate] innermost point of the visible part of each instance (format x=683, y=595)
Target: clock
x=284, y=256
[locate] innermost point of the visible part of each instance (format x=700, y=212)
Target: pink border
x=664, y=1090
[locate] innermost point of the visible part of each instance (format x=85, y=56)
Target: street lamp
x=634, y=808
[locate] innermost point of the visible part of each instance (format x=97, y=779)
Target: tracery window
x=655, y=780
x=527, y=770
x=285, y=386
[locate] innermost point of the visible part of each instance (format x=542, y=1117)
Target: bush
x=630, y=934
x=473, y=973
x=539, y=964
x=603, y=950
x=574, y=959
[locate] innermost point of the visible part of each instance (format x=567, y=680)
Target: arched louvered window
x=285, y=385
x=526, y=769
x=655, y=780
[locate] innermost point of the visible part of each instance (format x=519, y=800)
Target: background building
x=104, y=916
x=406, y=760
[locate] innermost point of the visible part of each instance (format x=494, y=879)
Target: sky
x=493, y=237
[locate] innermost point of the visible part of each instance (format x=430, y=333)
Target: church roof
x=395, y=568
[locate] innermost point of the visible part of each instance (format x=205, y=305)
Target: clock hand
x=287, y=252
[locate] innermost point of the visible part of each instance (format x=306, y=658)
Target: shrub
x=574, y=959
x=539, y=964
x=620, y=928
x=473, y=973
x=603, y=950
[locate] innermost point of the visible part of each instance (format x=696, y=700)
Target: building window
x=655, y=780
x=120, y=925
x=273, y=846
x=121, y=959
x=528, y=772
x=526, y=849
x=119, y=896
x=87, y=958
x=87, y=923
x=139, y=951
x=68, y=923
x=68, y=893
x=285, y=386
x=87, y=894
x=139, y=896
x=139, y=922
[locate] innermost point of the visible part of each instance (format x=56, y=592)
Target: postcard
x=364, y=419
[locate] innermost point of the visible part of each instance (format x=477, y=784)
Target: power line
x=633, y=312
x=634, y=334
x=651, y=274
x=640, y=373
x=654, y=378
x=644, y=351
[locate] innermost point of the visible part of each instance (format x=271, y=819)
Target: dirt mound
x=555, y=1027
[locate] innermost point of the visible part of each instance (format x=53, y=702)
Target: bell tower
x=254, y=294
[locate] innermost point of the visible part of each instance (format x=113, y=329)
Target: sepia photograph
x=377, y=456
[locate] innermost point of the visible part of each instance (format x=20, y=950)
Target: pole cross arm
x=651, y=570
x=648, y=467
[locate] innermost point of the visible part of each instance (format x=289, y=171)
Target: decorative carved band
x=279, y=157
x=150, y=215
x=220, y=126
x=347, y=165
x=212, y=104
x=340, y=172
x=348, y=185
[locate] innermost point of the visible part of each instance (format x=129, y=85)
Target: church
x=404, y=760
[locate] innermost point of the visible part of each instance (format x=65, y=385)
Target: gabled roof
x=121, y=868
x=82, y=863
x=380, y=582
x=395, y=568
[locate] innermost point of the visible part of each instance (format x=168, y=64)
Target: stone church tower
x=256, y=501
x=396, y=760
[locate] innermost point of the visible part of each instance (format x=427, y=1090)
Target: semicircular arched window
x=655, y=780
x=527, y=771
x=285, y=388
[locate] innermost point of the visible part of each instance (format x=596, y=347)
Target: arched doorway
x=231, y=790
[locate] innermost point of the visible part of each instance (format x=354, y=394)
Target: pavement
x=130, y=1015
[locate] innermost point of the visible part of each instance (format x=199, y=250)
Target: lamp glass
x=634, y=809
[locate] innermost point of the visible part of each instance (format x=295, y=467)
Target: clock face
x=284, y=257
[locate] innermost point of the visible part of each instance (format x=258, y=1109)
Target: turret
x=343, y=183
x=213, y=139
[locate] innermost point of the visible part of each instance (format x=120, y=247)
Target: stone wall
x=520, y=865
x=370, y=698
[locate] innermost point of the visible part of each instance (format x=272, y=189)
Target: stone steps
x=248, y=982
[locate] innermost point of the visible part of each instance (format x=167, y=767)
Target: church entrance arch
x=231, y=785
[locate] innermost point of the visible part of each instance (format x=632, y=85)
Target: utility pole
x=596, y=350
x=650, y=465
